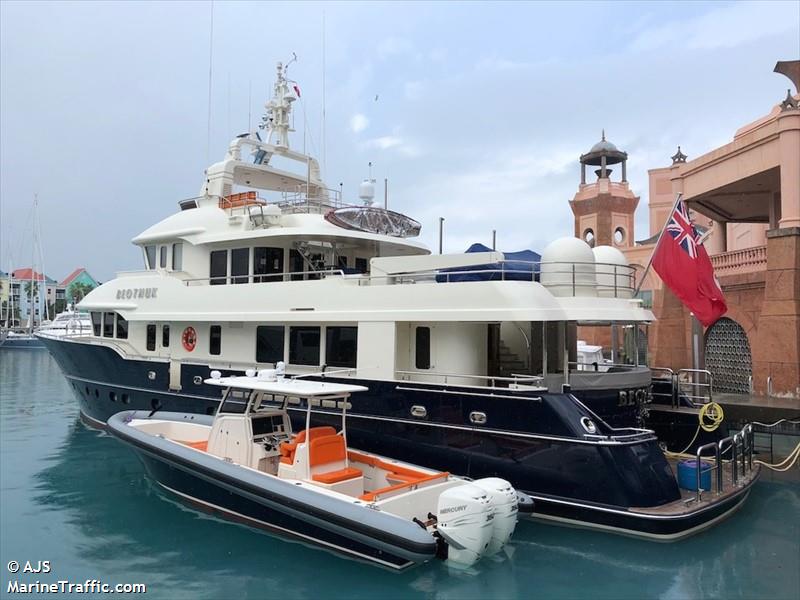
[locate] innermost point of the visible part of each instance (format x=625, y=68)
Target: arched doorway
x=728, y=356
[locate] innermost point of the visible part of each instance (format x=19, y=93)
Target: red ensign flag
x=683, y=264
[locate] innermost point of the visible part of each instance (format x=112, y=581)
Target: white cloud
x=358, y=123
x=500, y=64
x=395, y=143
x=728, y=26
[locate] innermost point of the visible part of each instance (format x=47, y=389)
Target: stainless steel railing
x=741, y=446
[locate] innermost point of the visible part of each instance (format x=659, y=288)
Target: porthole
x=588, y=425
x=96, y=393
x=126, y=399
x=112, y=396
x=87, y=390
x=619, y=236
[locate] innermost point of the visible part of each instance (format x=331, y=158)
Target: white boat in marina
x=70, y=322
x=246, y=463
x=267, y=265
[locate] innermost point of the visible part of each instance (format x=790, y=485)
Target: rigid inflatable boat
x=246, y=464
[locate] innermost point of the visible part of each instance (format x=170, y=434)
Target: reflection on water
x=81, y=499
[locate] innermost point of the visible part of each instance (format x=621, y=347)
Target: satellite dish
x=374, y=220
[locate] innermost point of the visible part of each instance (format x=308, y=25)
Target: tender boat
x=247, y=465
x=70, y=322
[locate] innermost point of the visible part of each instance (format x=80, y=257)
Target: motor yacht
x=268, y=265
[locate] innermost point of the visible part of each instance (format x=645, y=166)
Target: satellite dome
x=568, y=268
x=614, y=276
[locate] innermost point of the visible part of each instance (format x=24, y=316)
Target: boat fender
x=189, y=339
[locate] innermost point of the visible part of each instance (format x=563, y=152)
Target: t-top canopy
x=287, y=387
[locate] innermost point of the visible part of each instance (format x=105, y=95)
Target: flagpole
x=660, y=236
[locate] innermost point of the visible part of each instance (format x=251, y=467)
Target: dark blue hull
x=535, y=443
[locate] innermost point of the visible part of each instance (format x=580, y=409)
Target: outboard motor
x=464, y=519
x=505, y=502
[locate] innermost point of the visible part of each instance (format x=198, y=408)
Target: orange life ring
x=189, y=339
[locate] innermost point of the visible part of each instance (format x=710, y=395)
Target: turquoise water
x=80, y=499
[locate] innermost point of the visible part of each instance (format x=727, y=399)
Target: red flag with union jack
x=683, y=264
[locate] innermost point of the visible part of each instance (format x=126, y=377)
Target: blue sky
x=482, y=108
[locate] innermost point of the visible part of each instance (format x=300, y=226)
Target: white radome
x=568, y=268
x=612, y=283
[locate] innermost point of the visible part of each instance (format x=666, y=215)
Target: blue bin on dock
x=687, y=475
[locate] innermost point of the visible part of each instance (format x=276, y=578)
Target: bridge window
x=108, y=324
x=269, y=343
x=162, y=257
x=177, y=256
x=304, y=345
x=240, y=265
x=340, y=346
x=96, y=322
x=215, y=340
x=423, y=348
x=219, y=267
x=165, y=336
x=122, y=328
x=267, y=261
x=296, y=265
x=151, y=337
x=150, y=257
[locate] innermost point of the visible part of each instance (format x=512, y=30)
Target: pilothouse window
x=122, y=328
x=296, y=265
x=150, y=257
x=162, y=258
x=304, y=345
x=108, y=324
x=219, y=267
x=96, y=322
x=177, y=257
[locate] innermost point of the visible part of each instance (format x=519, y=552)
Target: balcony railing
x=747, y=260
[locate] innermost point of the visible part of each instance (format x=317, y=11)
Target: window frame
x=217, y=279
x=270, y=253
x=106, y=333
x=162, y=256
x=262, y=358
x=177, y=256
x=150, y=260
x=150, y=337
x=293, y=350
x=215, y=340
x=240, y=277
x=165, y=331
x=121, y=326
x=345, y=364
x=421, y=350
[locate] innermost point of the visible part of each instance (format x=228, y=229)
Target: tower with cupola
x=604, y=209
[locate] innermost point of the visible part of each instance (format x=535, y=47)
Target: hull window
x=96, y=322
x=151, y=337
x=341, y=346
x=177, y=256
x=108, y=324
x=215, y=340
x=165, y=336
x=269, y=343
x=218, y=270
x=122, y=328
x=267, y=261
x=240, y=265
x=304, y=343
x=423, y=348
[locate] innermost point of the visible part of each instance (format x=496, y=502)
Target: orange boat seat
x=289, y=448
x=201, y=445
x=326, y=450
